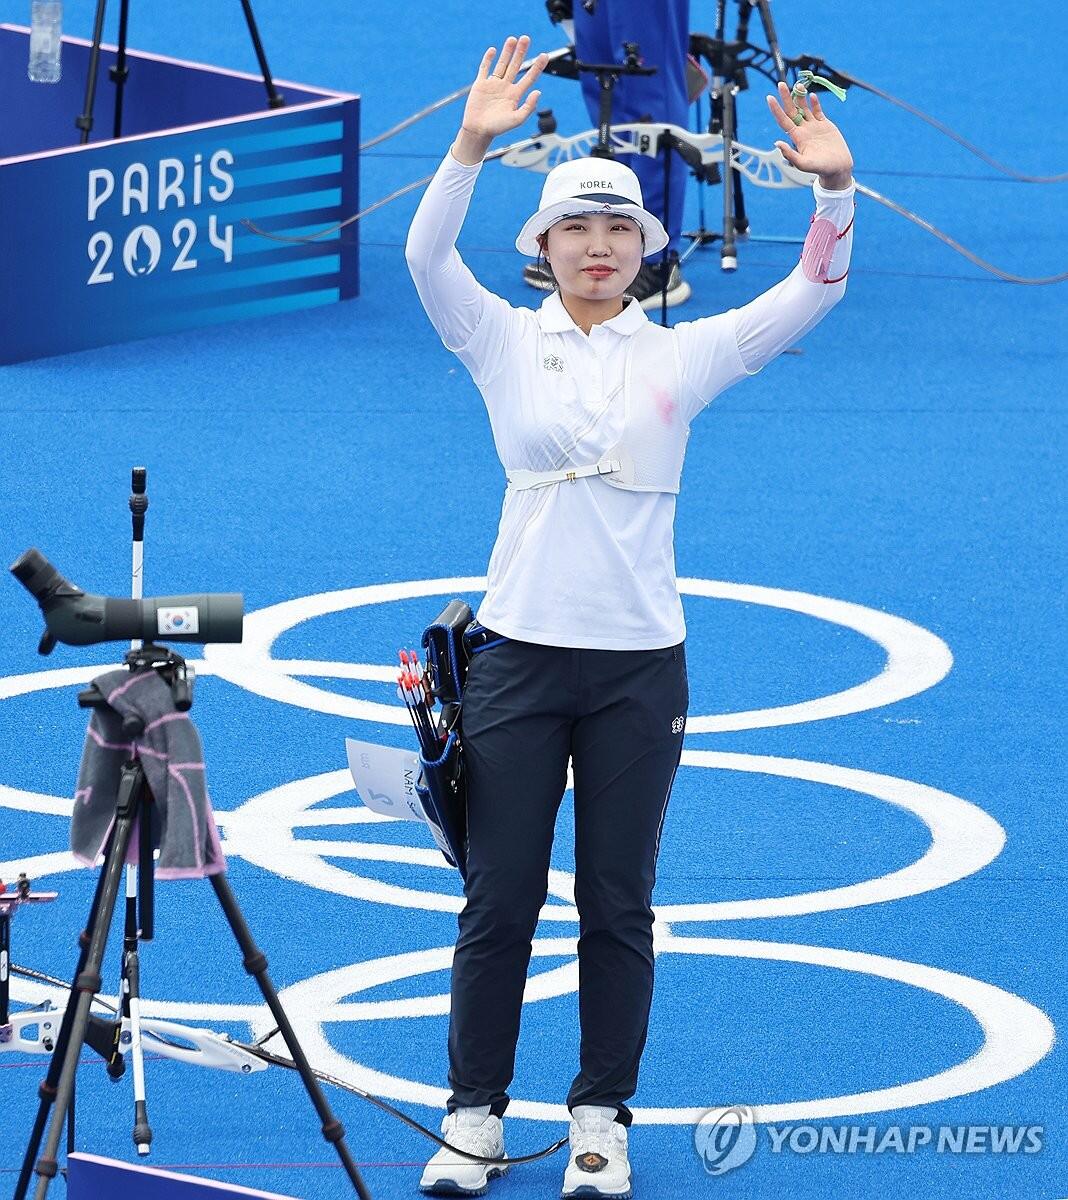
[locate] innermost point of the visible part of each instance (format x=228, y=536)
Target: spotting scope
x=80, y=619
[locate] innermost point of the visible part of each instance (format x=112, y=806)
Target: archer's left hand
x=818, y=146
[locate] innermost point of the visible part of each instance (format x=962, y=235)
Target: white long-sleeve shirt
x=584, y=564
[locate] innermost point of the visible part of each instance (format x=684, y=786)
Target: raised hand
x=495, y=103
x=818, y=146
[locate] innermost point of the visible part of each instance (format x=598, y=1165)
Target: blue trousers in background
x=662, y=30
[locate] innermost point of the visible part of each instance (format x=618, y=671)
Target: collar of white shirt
x=554, y=318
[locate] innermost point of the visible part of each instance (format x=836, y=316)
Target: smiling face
x=594, y=256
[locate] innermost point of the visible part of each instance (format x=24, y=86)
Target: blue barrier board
x=90, y=1177
x=152, y=232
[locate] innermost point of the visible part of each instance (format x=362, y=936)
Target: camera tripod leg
x=120, y=72
x=138, y=927
x=87, y=983
x=128, y=1021
x=5, y=984
x=84, y=122
x=728, y=260
x=142, y=1131
x=274, y=98
x=47, y=1090
x=116, y=1064
x=255, y=963
x=764, y=8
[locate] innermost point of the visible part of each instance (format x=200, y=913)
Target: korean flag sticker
x=177, y=620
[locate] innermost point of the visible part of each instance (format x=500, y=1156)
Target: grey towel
x=169, y=749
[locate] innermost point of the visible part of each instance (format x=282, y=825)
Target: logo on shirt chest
x=553, y=362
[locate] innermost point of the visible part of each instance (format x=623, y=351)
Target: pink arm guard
x=818, y=250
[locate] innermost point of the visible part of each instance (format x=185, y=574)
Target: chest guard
x=649, y=454
x=652, y=448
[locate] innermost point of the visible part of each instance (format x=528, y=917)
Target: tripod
x=120, y=71
x=729, y=61
x=134, y=808
x=608, y=75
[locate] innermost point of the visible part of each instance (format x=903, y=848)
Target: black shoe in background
x=648, y=287
x=538, y=275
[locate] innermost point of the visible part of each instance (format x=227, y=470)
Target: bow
x=764, y=168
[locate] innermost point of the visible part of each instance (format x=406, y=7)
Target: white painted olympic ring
x=261, y=832
x=916, y=658
x=1016, y=1034
x=964, y=839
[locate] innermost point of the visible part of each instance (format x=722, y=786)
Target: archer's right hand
x=495, y=103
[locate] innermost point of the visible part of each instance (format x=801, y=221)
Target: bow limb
x=546, y=151
x=768, y=168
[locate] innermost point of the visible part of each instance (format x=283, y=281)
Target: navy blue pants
x=619, y=715
x=662, y=31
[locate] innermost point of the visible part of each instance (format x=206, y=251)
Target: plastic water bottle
x=45, y=30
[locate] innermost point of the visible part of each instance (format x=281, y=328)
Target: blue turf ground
x=910, y=460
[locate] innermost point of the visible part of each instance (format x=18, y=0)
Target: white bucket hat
x=590, y=185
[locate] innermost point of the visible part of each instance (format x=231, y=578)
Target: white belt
x=521, y=481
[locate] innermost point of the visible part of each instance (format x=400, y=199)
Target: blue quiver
x=442, y=793
x=441, y=786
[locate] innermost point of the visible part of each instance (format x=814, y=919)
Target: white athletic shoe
x=598, y=1165
x=473, y=1130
